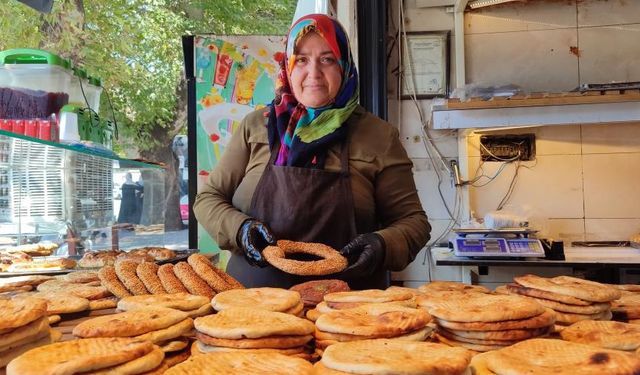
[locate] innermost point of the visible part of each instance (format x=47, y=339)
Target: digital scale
x=498, y=243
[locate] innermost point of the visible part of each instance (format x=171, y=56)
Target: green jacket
x=383, y=187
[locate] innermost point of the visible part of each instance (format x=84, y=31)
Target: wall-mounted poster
x=233, y=76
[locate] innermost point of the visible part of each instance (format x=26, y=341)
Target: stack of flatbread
x=604, y=334
x=571, y=298
x=483, y=322
x=114, y=355
x=433, y=292
x=23, y=326
x=162, y=326
x=558, y=357
x=193, y=305
x=12, y=285
x=241, y=364
x=196, y=276
x=241, y=329
x=450, y=286
x=371, y=321
x=271, y=299
x=346, y=300
x=392, y=357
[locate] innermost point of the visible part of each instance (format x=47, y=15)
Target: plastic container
x=34, y=83
x=93, y=91
x=79, y=82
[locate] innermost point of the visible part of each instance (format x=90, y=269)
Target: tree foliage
x=135, y=47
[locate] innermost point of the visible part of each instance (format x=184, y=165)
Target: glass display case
x=74, y=200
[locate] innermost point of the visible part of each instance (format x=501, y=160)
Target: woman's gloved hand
x=365, y=254
x=253, y=237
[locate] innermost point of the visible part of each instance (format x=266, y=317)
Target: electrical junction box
x=508, y=147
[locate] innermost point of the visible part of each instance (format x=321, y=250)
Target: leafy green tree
x=135, y=47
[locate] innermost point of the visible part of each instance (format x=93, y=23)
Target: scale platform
x=497, y=243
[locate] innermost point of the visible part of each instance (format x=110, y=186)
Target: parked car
x=184, y=209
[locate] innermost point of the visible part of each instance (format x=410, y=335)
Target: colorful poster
x=234, y=75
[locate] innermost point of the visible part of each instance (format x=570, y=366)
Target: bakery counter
x=577, y=257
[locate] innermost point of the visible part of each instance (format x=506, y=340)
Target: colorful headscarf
x=305, y=134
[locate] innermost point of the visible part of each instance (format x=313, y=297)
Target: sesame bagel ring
x=331, y=261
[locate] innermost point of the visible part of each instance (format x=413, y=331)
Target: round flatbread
x=547, y=318
x=240, y=323
x=395, y=357
x=434, y=298
x=8, y=284
x=48, y=338
x=368, y=296
x=505, y=335
x=61, y=303
x=25, y=334
x=174, y=345
x=272, y=299
x=486, y=308
x=199, y=347
x=419, y=335
x=470, y=340
x=21, y=311
x=140, y=365
x=76, y=356
x=242, y=363
x=273, y=342
x=570, y=318
x=103, y=303
x=550, y=356
x=81, y=290
x=443, y=286
x=571, y=286
x=591, y=308
x=537, y=293
x=81, y=277
x=178, y=301
x=129, y=323
x=467, y=345
x=202, y=311
x=374, y=320
x=605, y=334
x=181, y=328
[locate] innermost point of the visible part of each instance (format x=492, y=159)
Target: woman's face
x=316, y=76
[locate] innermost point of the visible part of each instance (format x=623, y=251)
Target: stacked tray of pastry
x=384, y=356
x=484, y=322
x=24, y=326
x=193, y=305
x=167, y=328
x=242, y=363
x=138, y=277
x=271, y=299
x=114, y=355
x=604, y=334
x=558, y=357
x=370, y=321
x=571, y=298
x=345, y=300
x=243, y=329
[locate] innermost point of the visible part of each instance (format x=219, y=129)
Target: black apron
x=302, y=204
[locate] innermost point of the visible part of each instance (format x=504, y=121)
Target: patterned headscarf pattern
x=305, y=134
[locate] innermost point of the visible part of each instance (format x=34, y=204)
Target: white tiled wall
x=585, y=183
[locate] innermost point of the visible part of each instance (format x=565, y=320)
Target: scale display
x=497, y=247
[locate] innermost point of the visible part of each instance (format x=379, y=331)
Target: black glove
x=253, y=237
x=365, y=253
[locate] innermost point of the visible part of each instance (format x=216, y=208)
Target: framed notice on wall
x=425, y=65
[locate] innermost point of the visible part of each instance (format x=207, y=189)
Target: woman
x=314, y=166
